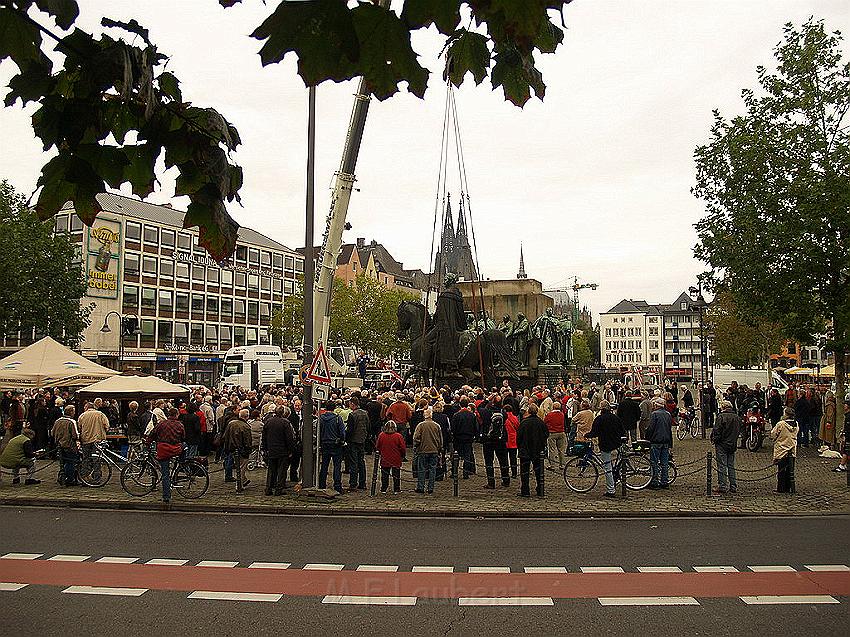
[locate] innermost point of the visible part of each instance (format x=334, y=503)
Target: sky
x=594, y=180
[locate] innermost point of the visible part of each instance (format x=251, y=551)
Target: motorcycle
x=753, y=430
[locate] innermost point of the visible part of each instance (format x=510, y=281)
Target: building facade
x=141, y=262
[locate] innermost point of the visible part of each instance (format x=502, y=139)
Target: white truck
x=254, y=365
x=722, y=378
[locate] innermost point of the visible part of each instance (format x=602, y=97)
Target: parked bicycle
x=95, y=470
x=688, y=423
x=581, y=473
x=189, y=478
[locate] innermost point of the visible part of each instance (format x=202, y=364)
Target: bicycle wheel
x=672, y=472
x=190, y=479
x=95, y=472
x=139, y=478
x=681, y=432
x=581, y=474
x=694, y=428
x=638, y=472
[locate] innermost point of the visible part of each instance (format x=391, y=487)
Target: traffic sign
x=321, y=392
x=319, y=370
x=303, y=375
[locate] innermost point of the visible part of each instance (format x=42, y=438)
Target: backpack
x=497, y=432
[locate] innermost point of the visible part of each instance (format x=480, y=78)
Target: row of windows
x=160, y=333
x=630, y=357
x=631, y=331
x=224, y=307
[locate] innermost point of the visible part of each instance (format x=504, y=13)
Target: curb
x=332, y=511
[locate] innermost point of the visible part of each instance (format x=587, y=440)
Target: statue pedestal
x=549, y=374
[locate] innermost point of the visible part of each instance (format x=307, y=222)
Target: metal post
x=308, y=466
x=375, y=468
x=542, y=473
x=792, y=477
x=623, y=489
x=708, y=473
x=237, y=460
x=455, y=485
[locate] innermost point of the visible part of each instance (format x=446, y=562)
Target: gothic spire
x=461, y=238
x=447, y=240
x=521, y=274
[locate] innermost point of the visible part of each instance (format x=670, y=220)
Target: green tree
x=740, y=339
x=775, y=182
x=591, y=339
x=112, y=110
x=286, y=326
x=45, y=280
x=582, y=356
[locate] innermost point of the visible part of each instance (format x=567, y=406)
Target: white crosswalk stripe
x=505, y=601
x=790, y=599
x=374, y=568
x=117, y=560
x=648, y=601
x=159, y=561
x=21, y=556
x=489, y=569
x=236, y=597
x=772, y=569
x=68, y=558
x=715, y=569
x=545, y=569
x=659, y=569
x=433, y=569
x=105, y=590
x=324, y=567
x=601, y=569
x=826, y=568
x=277, y=565
x=217, y=564
x=11, y=586
x=369, y=600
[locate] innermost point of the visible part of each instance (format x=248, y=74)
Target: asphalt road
x=628, y=543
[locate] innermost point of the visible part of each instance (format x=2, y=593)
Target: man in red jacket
x=557, y=440
x=169, y=436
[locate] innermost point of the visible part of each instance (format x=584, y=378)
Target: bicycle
x=581, y=473
x=95, y=470
x=688, y=424
x=189, y=477
x=255, y=460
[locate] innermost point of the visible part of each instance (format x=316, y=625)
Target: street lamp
x=699, y=303
x=127, y=325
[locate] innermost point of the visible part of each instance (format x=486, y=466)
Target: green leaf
x=65, y=12
x=107, y=162
x=549, y=37
x=190, y=180
x=30, y=84
x=517, y=75
x=467, y=53
x=423, y=13
x=131, y=27
x=19, y=39
x=170, y=86
x=139, y=170
x=216, y=229
x=55, y=189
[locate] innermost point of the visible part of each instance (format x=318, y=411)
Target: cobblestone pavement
x=819, y=490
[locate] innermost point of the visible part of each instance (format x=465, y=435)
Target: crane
x=576, y=286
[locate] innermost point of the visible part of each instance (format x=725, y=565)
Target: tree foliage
x=776, y=186
x=582, y=356
x=45, y=280
x=363, y=315
x=113, y=109
x=740, y=339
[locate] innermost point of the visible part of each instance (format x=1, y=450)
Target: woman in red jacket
x=390, y=445
x=511, y=425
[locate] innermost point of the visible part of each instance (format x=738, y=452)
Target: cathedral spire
x=521, y=274
x=447, y=241
x=461, y=238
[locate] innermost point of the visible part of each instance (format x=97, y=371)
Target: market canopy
x=47, y=363
x=800, y=371
x=134, y=387
x=829, y=371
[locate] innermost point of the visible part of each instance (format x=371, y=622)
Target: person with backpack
x=495, y=439
x=428, y=442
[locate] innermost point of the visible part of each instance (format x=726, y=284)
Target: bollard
x=708, y=473
x=455, y=484
x=237, y=460
x=541, y=473
x=375, y=468
x=623, y=488
x=792, y=481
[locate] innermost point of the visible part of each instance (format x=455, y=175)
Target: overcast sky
x=595, y=181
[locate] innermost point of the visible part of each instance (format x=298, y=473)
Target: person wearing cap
x=608, y=428
x=785, y=434
x=18, y=454
x=660, y=435
x=725, y=434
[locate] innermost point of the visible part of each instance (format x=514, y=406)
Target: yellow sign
x=104, y=235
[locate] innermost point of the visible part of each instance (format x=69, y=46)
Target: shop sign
x=203, y=259
x=204, y=359
x=180, y=347
x=102, y=259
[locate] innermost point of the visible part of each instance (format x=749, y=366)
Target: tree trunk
x=840, y=393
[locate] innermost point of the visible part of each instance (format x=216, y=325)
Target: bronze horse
x=414, y=322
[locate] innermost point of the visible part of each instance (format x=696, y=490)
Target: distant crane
x=575, y=288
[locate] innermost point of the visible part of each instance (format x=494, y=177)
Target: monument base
x=551, y=374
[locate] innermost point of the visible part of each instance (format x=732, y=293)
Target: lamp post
x=699, y=303
x=128, y=324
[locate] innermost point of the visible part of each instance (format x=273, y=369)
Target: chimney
x=374, y=243
x=361, y=243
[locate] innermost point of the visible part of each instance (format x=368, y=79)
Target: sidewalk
x=819, y=491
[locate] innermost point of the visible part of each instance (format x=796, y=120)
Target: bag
x=497, y=432
x=166, y=451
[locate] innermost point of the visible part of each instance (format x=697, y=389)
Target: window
x=197, y=302
x=226, y=309
x=239, y=310
x=227, y=277
x=253, y=256
x=212, y=275
x=147, y=327
x=238, y=335
x=166, y=238
x=184, y=241
x=653, y=358
x=792, y=348
x=181, y=333
x=638, y=331
x=224, y=332
x=607, y=358
x=251, y=336
x=148, y=298
x=265, y=283
x=212, y=335
x=212, y=305
x=133, y=231
x=631, y=331
x=630, y=319
x=277, y=286
x=197, y=334
x=165, y=331
x=149, y=265
x=166, y=300
x=182, y=271
x=131, y=263
x=76, y=223
x=241, y=253
x=151, y=235
x=288, y=287
x=653, y=319
x=266, y=259
x=166, y=268
x=240, y=278
x=182, y=302
x=615, y=319
x=653, y=331
x=653, y=344
x=253, y=281
x=197, y=273
x=253, y=312
x=265, y=311
x=264, y=336
x=290, y=263
x=277, y=261
x=299, y=265
x=131, y=296
x=61, y=224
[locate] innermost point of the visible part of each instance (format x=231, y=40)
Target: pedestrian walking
x=724, y=436
x=785, y=433
x=390, y=445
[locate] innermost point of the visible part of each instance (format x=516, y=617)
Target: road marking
x=505, y=601
x=601, y=569
x=68, y=558
x=118, y=560
x=278, y=565
x=545, y=569
x=372, y=568
x=489, y=569
x=366, y=600
x=21, y=556
x=166, y=562
x=105, y=590
x=433, y=569
x=824, y=568
x=323, y=567
x=772, y=569
x=790, y=599
x=236, y=597
x=659, y=569
x=648, y=601
x=217, y=564
x=11, y=586
x=715, y=569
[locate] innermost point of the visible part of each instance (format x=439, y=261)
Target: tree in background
x=740, y=338
x=776, y=186
x=44, y=280
x=286, y=326
x=582, y=356
x=590, y=336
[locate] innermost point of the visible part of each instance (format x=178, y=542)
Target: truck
x=749, y=377
x=254, y=365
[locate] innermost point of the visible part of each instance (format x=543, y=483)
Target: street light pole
x=105, y=329
x=307, y=455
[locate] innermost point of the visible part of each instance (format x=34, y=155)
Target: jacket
x=511, y=426
x=392, y=449
x=660, y=429
x=785, y=434
x=727, y=429
x=531, y=437
x=629, y=413
x=464, y=426
x=357, y=427
x=237, y=437
x=645, y=411
x=192, y=427
x=554, y=421
x=278, y=437
x=582, y=423
x=17, y=451
x=428, y=438
x=93, y=425
x=609, y=429
x=332, y=428
x=65, y=433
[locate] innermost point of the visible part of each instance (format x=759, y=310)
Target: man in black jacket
x=660, y=435
x=278, y=444
x=355, y=436
x=725, y=434
x=628, y=412
x=531, y=441
x=610, y=431
x=464, y=432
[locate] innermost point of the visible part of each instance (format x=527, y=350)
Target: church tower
x=442, y=262
x=521, y=274
x=462, y=260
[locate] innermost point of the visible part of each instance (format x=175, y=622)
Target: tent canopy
x=47, y=363
x=134, y=387
x=828, y=371
x=800, y=371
